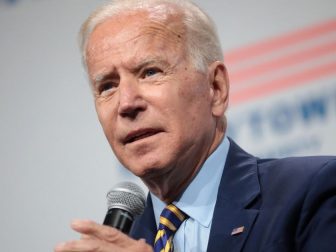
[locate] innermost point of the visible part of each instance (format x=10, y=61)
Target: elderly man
x=161, y=91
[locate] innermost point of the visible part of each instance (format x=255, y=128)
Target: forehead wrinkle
x=172, y=22
x=168, y=26
x=157, y=29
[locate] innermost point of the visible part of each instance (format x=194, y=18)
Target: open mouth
x=140, y=134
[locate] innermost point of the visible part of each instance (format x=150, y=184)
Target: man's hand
x=99, y=238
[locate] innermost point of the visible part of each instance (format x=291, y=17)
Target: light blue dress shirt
x=198, y=201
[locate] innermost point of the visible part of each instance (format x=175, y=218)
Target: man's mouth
x=140, y=134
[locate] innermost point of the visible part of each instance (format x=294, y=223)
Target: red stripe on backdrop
x=248, y=52
x=237, y=78
x=283, y=83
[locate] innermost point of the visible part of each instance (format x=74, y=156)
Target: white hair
x=202, y=42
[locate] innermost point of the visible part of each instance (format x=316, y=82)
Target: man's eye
x=105, y=87
x=150, y=72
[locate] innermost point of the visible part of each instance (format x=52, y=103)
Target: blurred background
x=55, y=162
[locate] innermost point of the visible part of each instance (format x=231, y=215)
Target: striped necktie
x=170, y=220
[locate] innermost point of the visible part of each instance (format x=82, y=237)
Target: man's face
x=154, y=107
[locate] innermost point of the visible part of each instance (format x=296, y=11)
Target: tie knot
x=171, y=218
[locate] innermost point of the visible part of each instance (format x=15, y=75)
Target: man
x=161, y=91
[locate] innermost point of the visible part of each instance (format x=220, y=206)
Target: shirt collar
x=199, y=199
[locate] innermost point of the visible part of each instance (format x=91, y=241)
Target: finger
x=101, y=246
x=77, y=246
x=92, y=229
x=85, y=237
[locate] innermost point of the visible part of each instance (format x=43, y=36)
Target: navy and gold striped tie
x=170, y=220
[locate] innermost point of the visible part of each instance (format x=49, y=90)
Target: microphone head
x=127, y=196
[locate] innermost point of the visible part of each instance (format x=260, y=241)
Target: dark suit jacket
x=283, y=204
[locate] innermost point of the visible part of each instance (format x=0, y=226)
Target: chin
x=149, y=170
x=150, y=163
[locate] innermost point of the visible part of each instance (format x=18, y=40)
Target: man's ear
x=219, y=85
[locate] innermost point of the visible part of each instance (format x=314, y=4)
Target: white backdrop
x=55, y=162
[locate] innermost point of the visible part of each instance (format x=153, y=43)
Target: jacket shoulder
x=304, y=166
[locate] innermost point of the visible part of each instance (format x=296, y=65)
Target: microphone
x=125, y=201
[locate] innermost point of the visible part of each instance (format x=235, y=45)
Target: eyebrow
x=111, y=74
x=103, y=76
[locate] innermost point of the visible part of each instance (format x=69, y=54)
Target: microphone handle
x=119, y=219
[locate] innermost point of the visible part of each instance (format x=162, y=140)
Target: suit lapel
x=144, y=226
x=233, y=216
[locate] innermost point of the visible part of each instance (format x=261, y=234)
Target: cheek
x=193, y=97
x=194, y=105
x=105, y=114
x=100, y=113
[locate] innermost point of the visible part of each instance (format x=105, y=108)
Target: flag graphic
x=297, y=58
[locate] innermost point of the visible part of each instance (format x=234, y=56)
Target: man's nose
x=131, y=101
